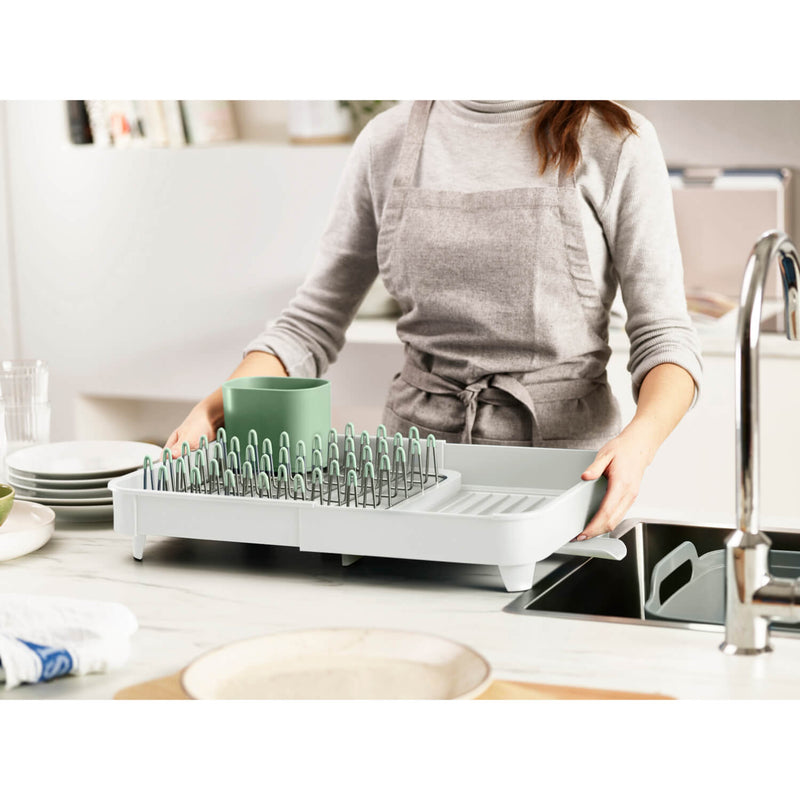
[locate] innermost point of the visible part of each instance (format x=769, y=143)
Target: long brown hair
x=558, y=124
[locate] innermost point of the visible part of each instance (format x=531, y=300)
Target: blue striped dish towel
x=44, y=637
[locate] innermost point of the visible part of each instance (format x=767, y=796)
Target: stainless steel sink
x=617, y=591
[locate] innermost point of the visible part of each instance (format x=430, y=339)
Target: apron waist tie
x=500, y=389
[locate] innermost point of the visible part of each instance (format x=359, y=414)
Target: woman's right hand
x=202, y=421
x=208, y=414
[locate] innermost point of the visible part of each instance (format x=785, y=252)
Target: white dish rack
x=504, y=506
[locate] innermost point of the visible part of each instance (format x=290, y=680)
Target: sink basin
x=689, y=583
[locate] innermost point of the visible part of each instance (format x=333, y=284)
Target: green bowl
x=299, y=406
x=6, y=501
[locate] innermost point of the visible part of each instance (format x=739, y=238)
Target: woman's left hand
x=623, y=461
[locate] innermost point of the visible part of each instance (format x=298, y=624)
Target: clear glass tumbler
x=23, y=382
x=26, y=425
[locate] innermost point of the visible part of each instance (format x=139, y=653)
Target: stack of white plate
x=72, y=477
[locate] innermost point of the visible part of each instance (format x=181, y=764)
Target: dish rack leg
x=348, y=560
x=138, y=546
x=518, y=577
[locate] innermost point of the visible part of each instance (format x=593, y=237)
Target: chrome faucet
x=753, y=596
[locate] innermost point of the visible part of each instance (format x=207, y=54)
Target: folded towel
x=42, y=637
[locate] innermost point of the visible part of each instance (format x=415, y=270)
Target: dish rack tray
x=504, y=506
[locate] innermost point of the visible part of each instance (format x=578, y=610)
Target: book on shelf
x=98, y=121
x=80, y=130
x=154, y=123
x=208, y=121
x=135, y=123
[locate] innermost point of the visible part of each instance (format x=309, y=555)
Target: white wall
x=8, y=320
x=132, y=262
x=730, y=133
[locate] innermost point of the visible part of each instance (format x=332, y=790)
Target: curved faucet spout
x=771, y=245
x=753, y=596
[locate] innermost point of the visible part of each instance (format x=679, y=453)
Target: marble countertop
x=192, y=596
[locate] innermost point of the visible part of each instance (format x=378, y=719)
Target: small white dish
x=60, y=494
x=32, y=482
x=339, y=663
x=28, y=527
x=70, y=460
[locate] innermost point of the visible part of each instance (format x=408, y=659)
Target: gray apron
x=505, y=333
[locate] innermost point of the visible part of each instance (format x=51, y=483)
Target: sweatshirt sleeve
x=639, y=223
x=309, y=333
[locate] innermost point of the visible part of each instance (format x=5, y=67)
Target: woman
x=503, y=229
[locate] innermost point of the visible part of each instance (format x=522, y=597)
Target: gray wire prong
x=196, y=481
x=252, y=438
x=366, y=460
x=264, y=486
x=214, y=477
x=400, y=468
x=166, y=460
x=147, y=471
x=283, y=480
x=162, y=481
x=299, y=488
x=181, y=477
x=416, y=457
x=229, y=484
x=248, y=479
x=385, y=478
x=316, y=484
x=333, y=451
x=430, y=458
x=351, y=482
x=284, y=460
x=222, y=441
x=266, y=465
x=333, y=480
x=368, y=479
x=251, y=456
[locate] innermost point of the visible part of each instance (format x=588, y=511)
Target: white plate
x=28, y=527
x=81, y=459
x=57, y=494
x=61, y=501
x=84, y=513
x=339, y=663
x=32, y=482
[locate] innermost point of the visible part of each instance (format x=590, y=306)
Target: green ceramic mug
x=6, y=501
x=299, y=406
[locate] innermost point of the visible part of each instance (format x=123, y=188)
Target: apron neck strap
x=412, y=143
x=412, y=146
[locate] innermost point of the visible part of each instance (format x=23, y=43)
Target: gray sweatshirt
x=627, y=215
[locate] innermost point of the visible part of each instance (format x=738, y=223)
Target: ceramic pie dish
x=339, y=663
